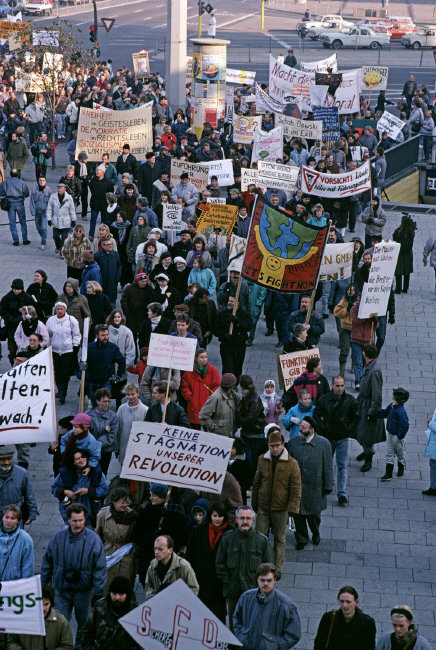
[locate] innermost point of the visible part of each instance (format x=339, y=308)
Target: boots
x=361, y=456
x=367, y=465
x=342, y=368
x=388, y=473
x=400, y=471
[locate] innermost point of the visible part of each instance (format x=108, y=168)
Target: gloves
x=295, y=420
x=391, y=320
x=49, y=223
x=369, y=220
x=73, y=224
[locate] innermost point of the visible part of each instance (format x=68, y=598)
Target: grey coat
x=430, y=249
x=315, y=461
x=369, y=402
x=384, y=643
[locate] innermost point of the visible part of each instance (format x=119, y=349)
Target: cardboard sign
x=292, y=365
x=330, y=122
x=236, y=253
x=336, y=185
x=198, y=174
x=7, y=27
x=172, y=216
x=215, y=215
x=240, y=76
x=390, y=124
x=375, y=296
x=296, y=128
x=175, y=618
x=267, y=145
x=174, y=352
x=244, y=128
x=276, y=176
x=27, y=411
x=249, y=177
x=331, y=63
x=337, y=262
x=174, y=455
x=223, y=169
x=141, y=64
x=99, y=132
x=374, y=77
x=21, y=606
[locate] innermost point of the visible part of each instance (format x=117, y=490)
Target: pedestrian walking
x=405, y=632
x=65, y=338
x=39, y=197
x=16, y=546
x=41, y=153
x=15, y=191
x=397, y=425
x=61, y=214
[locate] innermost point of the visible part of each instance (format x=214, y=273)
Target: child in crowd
x=397, y=425
x=55, y=447
x=198, y=513
x=272, y=403
x=141, y=366
x=293, y=417
x=80, y=437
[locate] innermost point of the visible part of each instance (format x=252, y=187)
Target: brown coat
x=278, y=493
x=114, y=536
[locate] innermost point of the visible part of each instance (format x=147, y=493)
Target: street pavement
x=383, y=543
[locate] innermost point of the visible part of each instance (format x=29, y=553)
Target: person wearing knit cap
x=80, y=438
x=220, y=414
x=276, y=491
x=313, y=453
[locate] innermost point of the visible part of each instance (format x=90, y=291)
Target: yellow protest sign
x=217, y=216
x=7, y=28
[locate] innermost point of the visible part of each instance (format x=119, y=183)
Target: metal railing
x=402, y=156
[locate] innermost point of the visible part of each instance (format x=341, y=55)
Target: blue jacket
x=92, y=500
x=39, y=200
x=104, y=428
x=110, y=267
x=297, y=411
x=430, y=450
x=205, y=279
x=316, y=322
x=338, y=289
x=273, y=625
x=14, y=188
x=151, y=217
x=17, y=489
x=102, y=359
x=90, y=272
x=16, y=555
x=111, y=174
x=89, y=443
x=83, y=552
x=397, y=422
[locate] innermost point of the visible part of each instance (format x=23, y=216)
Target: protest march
x=202, y=370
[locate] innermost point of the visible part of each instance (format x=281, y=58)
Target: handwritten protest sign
x=292, y=365
x=172, y=216
x=374, y=77
x=340, y=185
x=174, y=352
x=337, y=262
x=267, y=145
x=390, y=124
x=215, y=215
x=285, y=82
x=244, y=128
x=174, y=455
x=375, y=296
x=240, y=76
x=27, y=412
x=177, y=619
x=331, y=63
x=216, y=199
x=21, y=607
x=236, y=253
x=296, y=128
x=222, y=169
x=276, y=176
x=198, y=174
x=249, y=177
x=99, y=132
x=330, y=122
x=7, y=27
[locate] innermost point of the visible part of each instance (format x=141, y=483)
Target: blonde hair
x=95, y=285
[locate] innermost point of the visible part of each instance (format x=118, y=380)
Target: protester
x=405, y=632
x=16, y=546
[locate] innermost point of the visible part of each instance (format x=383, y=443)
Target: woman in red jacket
x=198, y=385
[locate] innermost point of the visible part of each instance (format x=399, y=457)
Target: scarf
x=29, y=326
x=71, y=442
x=155, y=322
x=405, y=641
x=121, y=228
x=10, y=531
x=215, y=534
x=83, y=170
x=125, y=518
x=200, y=370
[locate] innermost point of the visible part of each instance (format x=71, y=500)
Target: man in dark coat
x=134, y=301
x=232, y=345
x=290, y=60
x=154, y=322
x=127, y=162
x=99, y=187
x=336, y=416
x=110, y=265
x=102, y=358
x=370, y=429
x=313, y=453
x=10, y=312
x=317, y=327
x=147, y=174
x=174, y=413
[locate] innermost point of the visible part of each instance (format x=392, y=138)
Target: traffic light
x=201, y=8
x=92, y=34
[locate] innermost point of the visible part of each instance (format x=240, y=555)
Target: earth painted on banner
x=284, y=237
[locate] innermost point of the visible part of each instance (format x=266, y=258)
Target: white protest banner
x=245, y=101
x=296, y=128
x=236, y=253
x=45, y=37
x=249, y=177
x=317, y=95
x=21, y=606
x=99, y=132
x=244, y=128
x=276, y=176
x=321, y=66
x=337, y=262
x=172, y=216
x=375, y=298
x=175, y=455
x=336, y=185
x=287, y=82
x=174, y=352
x=240, y=76
x=216, y=199
x=99, y=107
x=222, y=169
x=198, y=175
x=390, y=124
x=292, y=365
x=177, y=619
x=27, y=411
x=267, y=145
x=347, y=96
x=374, y=77
x=265, y=103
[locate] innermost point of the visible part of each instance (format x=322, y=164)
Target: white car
x=355, y=36
x=305, y=26
x=328, y=28
x=43, y=7
x=425, y=37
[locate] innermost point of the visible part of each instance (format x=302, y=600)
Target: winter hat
x=144, y=350
x=184, y=308
x=141, y=276
x=125, y=175
x=275, y=438
x=180, y=260
x=270, y=382
x=83, y=156
x=159, y=490
x=272, y=426
x=162, y=276
x=62, y=304
x=200, y=504
x=17, y=284
x=61, y=185
x=184, y=175
x=120, y=585
x=101, y=168
x=311, y=421
x=228, y=380
x=83, y=419
x=6, y=451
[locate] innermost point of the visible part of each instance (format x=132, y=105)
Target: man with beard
x=316, y=322
x=103, y=630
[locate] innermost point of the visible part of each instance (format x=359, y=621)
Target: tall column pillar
x=176, y=53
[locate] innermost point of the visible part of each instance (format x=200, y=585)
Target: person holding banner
x=362, y=333
x=174, y=414
x=16, y=546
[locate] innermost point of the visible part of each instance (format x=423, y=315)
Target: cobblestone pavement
x=383, y=543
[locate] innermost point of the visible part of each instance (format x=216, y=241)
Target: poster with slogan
x=374, y=77
x=292, y=365
x=295, y=128
x=175, y=618
x=267, y=145
x=174, y=455
x=376, y=292
x=21, y=607
x=240, y=76
x=277, y=176
x=174, y=352
x=324, y=65
x=198, y=174
x=336, y=185
x=236, y=253
x=172, y=216
x=216, y=216
x=244, y=128
x=390, y=124
x=27, y=406
x=337, y=262
x=222, y=169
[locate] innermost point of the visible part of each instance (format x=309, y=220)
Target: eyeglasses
x=105, y=400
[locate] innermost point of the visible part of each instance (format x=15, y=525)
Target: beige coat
x=280, y=492
x=220, y=413
x=114, y=536
x=58, y=636
x=178, y=568
x=341, y=311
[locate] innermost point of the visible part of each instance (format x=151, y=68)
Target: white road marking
x=235, y=20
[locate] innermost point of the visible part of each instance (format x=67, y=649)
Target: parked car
x=315, y=32
x=43, y=7
x=355, y=37
x=5, y=9
x=425, y=37
x=397, y=26
x=305, y=26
